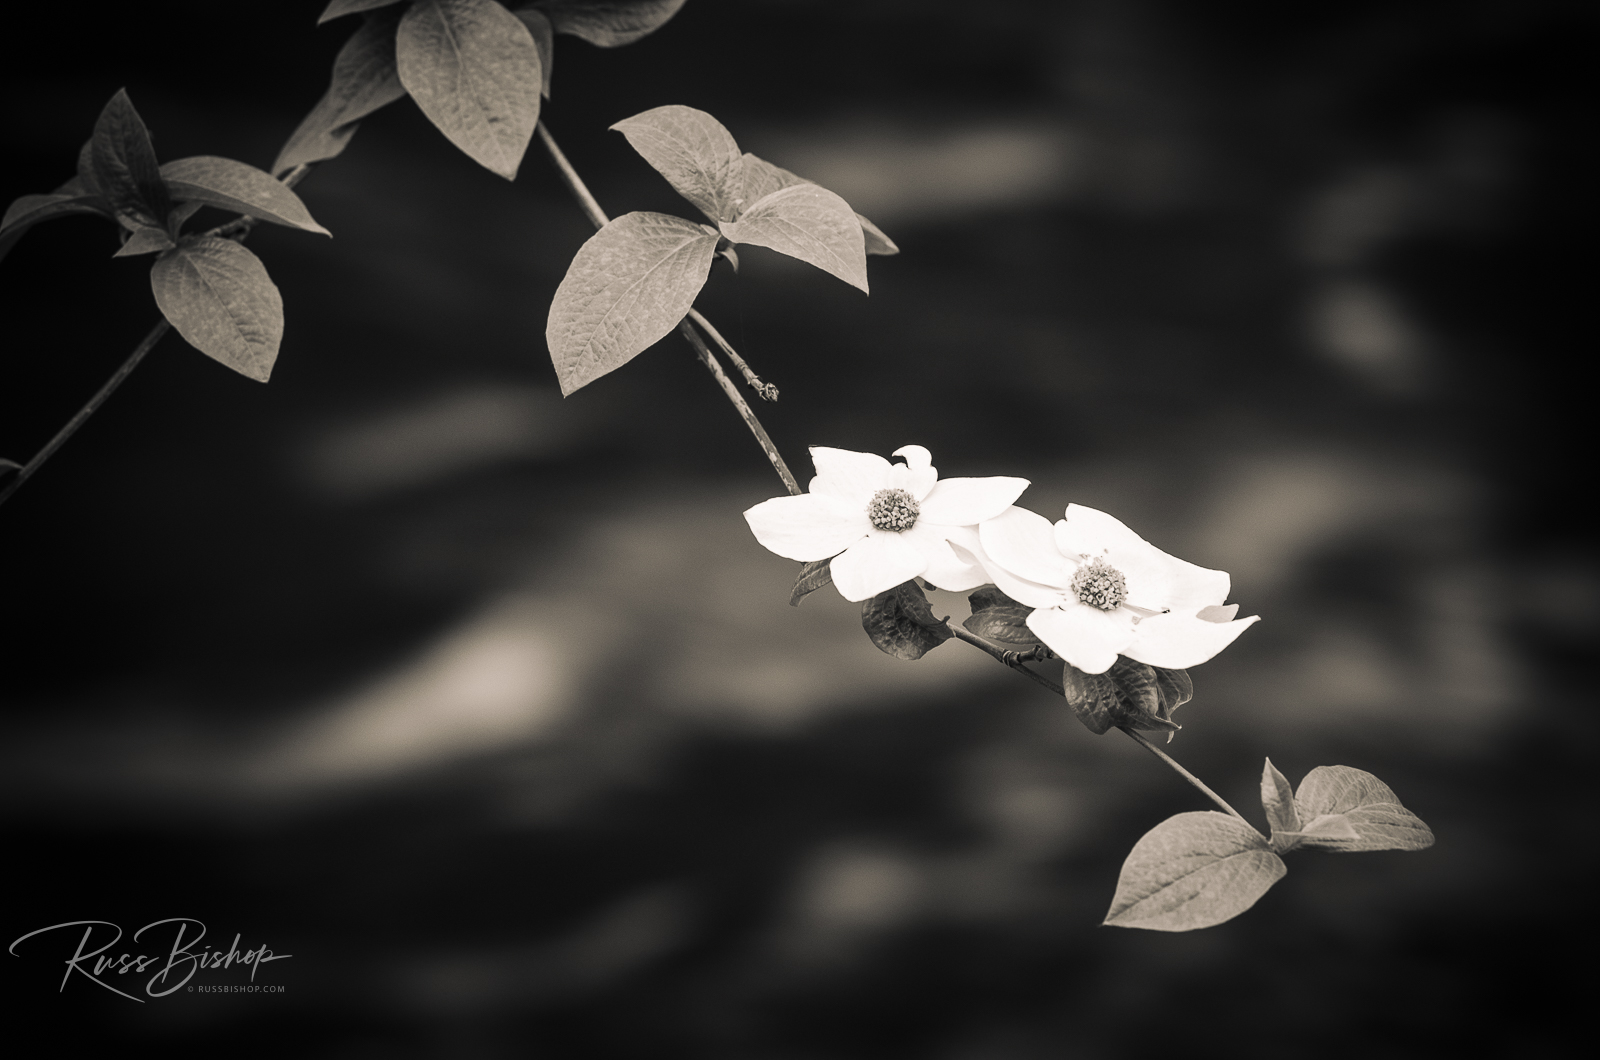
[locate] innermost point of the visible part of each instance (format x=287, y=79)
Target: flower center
x=894, y=510
x=1099, y=584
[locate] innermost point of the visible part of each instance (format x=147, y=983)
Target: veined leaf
x=609, y=23
x=544, y=38
x=1005, y=622
x=694, y=152
x=1372, y=810
x=91, y=183
x=1277, y=799
x=365, y=78
x=901, y=623
x=220, y=298
x=1193, y=871
x=1092, y=697
x=762, y=178
x=235, y=186
x=339, y=8
x=145, y=241
x=124, y=163
x=29, y=210
x=473, y=68
x=808, y=222
x=813, y=576
x=629, y=285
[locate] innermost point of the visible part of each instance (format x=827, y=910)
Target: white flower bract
x=884, y=523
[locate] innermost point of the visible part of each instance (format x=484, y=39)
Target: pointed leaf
x=1092, y=697
x=145, y=241
x=29, y=210
x=238, y=187
x=91, y=183
x=365, y=78
x=339, y=8
x=220, y=298
x=628, y=286
x=1277, y=799
x=1139, y=705
x=808, y=222
x=544, y=38
x=609, y=23
x=180, y=215
x=1006, y=623
x=1192, y=871
x=124, y=163
x=473, y=68
x=1372, y=810
x=1175, y=689
x=762, y=178
x=813, y=576
x=1328, y=826
x=901, y=623
x=693, y=151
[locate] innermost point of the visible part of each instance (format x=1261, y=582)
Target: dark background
x=486, y=707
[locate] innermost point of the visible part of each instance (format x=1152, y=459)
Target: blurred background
x=485, y=705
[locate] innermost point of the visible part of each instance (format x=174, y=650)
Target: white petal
x=969, y=501
x=853, y=477
x=810, y=526
x=875, y=564
x=916, y=456
x=1193, y=586
x=1178, y=642
x=946, y=569
x=1086, y=637
x=1148, y=575
x=1022, y=591
x=1089, y=532
x=1218, y=613
x=1024, y=544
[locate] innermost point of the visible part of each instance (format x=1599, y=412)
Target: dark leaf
x=29, y=210
x=473, y=68
x=365, y=78
x=813, y=576
x=1092, y=697
x=1372, y=810
x=124, y=164
x=1277, y=799
x=609, y=23
x=544, y=39
x=145, y=241
x=220, y=298
x=91, y=183
x=989, y=596
x=694, y=152
x=808, y=222
x=238, y=187
x=339, y=8
x=180, y=215
x=1193, y=871
x=1139, y=699
x=901, y=623
x=1007, y=623
x=762, y=178
x=1175, y=689
x=628, y=286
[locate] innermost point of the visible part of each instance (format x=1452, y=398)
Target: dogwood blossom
x=884, y=523
x=1099, y=590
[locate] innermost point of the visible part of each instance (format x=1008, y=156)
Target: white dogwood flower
x=884, y=523
x=1099, y=590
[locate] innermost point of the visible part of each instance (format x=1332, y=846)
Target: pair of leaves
x=1197, y=870
x=477, y=70
x=214, y=291
x=633, y=280
x=901, y=622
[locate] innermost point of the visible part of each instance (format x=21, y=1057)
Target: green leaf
x=609, y=23
x=544, y=38
x=124, y=164
x=808, y=222
x=29, y=210
x=762, y=178
x=339, y=8
x=145, y=241
x=1372, y=810
x=1092, y=697
x=220, y=298
x=693, y=151
x=628, y=286
x=473, y=68
x=365, y=79
x=1193, y=871
x=235, y=186
x=813, y=576
x=901, y=623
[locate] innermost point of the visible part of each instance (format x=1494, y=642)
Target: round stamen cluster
x=1099, y=584
x=894, y=510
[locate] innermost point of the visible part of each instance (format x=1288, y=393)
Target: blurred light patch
x=1362, y=328
x=441, y=436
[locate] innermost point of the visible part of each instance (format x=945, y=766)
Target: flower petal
x=1177, y=642
x=1193, y=586
x=1024, y=544
x=1086, y=637
x=875, y=564
x=1022, y=591
x=810, y=526
x=917, y=475
x=946, y=569
x=969, y=501
x=853, y=477
x=1089, y=532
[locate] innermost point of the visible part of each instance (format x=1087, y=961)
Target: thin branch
x=1009, y=658
x=710, y=361
x=575, y=184
x=1184, y=773
x=766, y=391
